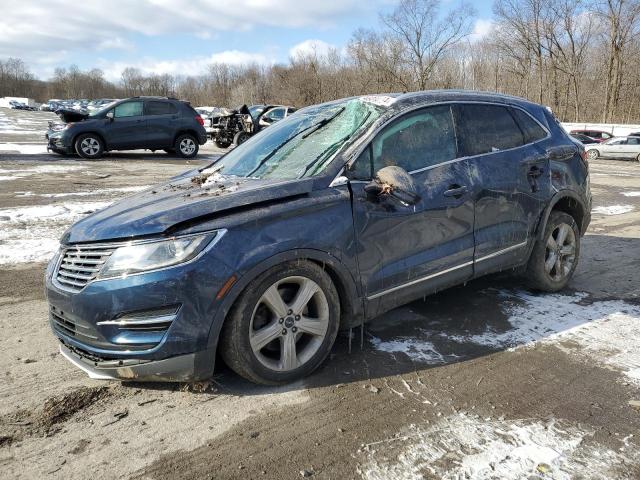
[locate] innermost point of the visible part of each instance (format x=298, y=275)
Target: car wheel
x=89, y=146
x=593, y=154
x=186, y=146
x=223, y=143
x=283, y=325
x=240, y=138
x=555, y=257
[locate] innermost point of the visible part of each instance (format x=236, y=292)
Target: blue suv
x=154, y=123
x=325, y=220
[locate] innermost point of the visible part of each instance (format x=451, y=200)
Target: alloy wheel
x=592, y=154
x=289, y=323
x=90, y=146
x=560, y=253
x=187, y=146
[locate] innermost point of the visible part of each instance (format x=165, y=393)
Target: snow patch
x=605, y=331
x=101, y=191
x=22, y=148
x=417, y=349
x=30, y=234
x=461, y=446
x=631, y=194
x=613, y=210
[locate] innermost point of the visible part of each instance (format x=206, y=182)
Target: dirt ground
x=486, y=380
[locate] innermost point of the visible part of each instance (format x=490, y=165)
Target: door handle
x=456, y=191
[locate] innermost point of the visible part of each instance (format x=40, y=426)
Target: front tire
x=186, y=146
x=283, y=325
x=240, y=138
x=223, y=143
x=554, y=258
x=89, y=146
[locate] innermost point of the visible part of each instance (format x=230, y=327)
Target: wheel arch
x=568, y=202
x=185, y=131
x=93, y=132
x=351, y=307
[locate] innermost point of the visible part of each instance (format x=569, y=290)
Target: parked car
x=237, y=126
x=634, y=134
x=584, y=139
x=597, y=135
x=326, y=220
x=155, y=123
x=616, y=147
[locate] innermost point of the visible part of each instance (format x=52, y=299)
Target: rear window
x=531, y=129
x=160, y=108
x=486, y=129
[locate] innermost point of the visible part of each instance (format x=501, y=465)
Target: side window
x=128, y=109
x=416, y=140
x=159, y=108
x=362, y=168
x=620, y=141
x=633, y=141
x=604, y=135
x=275, y=114
x=531, y=129
x=486, y=128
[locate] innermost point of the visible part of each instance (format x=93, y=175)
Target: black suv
x=154, y=123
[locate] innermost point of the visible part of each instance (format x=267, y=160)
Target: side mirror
x=110, y=116
x=394, y=182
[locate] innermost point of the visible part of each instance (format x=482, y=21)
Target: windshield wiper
x=315, y=126
x=334, y=146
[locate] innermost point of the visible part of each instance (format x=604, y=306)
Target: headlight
x=143, y=257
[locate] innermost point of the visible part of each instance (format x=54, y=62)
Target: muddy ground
x=486, y=380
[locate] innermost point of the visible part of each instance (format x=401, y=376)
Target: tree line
x=579, y=57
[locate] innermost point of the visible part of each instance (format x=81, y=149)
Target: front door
x=406, y=251
x=128, y=128
x=509, y=168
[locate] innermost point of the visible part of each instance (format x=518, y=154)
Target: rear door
x=162, y=119
x=128, y=128
x=405, y=251
x=509, y=171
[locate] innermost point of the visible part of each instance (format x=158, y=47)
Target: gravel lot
x=488, y=380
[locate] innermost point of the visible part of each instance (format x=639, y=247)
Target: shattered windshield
x=301, y=145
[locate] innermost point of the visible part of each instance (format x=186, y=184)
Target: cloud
x=191, y=66
x=310, y=47
x=32, y=29
x=481, y=29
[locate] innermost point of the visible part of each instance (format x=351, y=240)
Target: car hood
x=184, y=200
x=68, y=116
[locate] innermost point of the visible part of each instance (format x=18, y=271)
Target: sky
x=183, y=36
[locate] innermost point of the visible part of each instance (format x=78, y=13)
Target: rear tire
x=89, y=146
x=283, y=325
x=186, y=146
x=593, y=154
x=555, y=257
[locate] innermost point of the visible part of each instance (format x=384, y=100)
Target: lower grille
x=68, y=327
x=80, y=265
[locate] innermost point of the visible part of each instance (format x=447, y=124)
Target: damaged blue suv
x=322, y=222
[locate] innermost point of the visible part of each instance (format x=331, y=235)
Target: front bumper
x=58, y=143
x=89, y=325
x=181, y=368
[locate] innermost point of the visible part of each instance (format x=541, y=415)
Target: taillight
x=200, y=120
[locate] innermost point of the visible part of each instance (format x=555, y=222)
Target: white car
x=616, y=147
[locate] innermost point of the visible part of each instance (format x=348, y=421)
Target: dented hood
x=189, y=199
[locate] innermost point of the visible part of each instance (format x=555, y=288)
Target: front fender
x=351, y=301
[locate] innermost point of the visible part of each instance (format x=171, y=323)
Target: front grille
x=80, y=265
x=70, y=328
